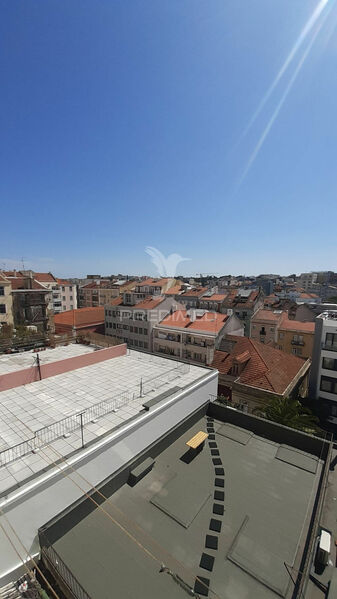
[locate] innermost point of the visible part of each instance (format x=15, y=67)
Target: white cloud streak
x=300, y=40
x=281, y=102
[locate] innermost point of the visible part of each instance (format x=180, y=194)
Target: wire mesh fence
x=51, y=557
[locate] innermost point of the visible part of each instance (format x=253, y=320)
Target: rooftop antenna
x=23, y=264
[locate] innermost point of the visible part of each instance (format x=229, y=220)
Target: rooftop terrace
x=45, y=413
x=231, y=515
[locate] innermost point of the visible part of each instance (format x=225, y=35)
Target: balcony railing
x=294, y=342
x=329, y=347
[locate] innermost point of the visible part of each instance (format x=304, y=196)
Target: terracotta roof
x=23, y=283
x=308, y=296
x=268, y=316
x=116, y=302
x=150, y=303
x=216, y=297
x=267, y=368
x=296, y=325
x=80, y=317
x=209, y=322
x=44, y=277
x=195, y=292
x=153, y=282
x=64, y=282
x=173, y=290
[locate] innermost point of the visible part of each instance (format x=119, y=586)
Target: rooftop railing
x=73, y=422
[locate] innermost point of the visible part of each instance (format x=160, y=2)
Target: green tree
x=290, y=412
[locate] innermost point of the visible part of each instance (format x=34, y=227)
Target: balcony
x=293, y=342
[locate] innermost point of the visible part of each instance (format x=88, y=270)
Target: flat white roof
x=28, y=408
x=20, y=361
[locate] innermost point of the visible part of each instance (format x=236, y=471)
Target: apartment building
x=102, y=292
x=264, y=326
x=243, y=303
x=6, y=302
x=323, y=377
x=296, y=337
x=190, y=296
x=68, y=294
x=275, y=328
x=133, y=323
x=148, y=288
x=212, y=301
x=193, y=334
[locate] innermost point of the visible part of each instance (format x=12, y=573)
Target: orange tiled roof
x=267, y=368
x=152, y=283
x=44, y=277
x=195, y=292
x=296, y=325
x=21, y=283
x=267, y=315
x=210, y=321
x=64, y=282
x=150, y=303
x=173, y=290
x=216, y=297
x=80, y=317
x=117, y=301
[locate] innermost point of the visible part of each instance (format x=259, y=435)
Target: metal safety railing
x=57, y=564
x=66, y=426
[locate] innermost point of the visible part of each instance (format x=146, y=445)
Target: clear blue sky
x=122, y=123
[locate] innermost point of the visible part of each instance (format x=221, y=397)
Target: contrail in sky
x=281, y=102
x=301, y=38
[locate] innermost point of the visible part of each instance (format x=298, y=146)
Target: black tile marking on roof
x=212, y=444
x=207, y=562
x=219, y=495
x=219, y=472
x=211, y=542
x=215, y=452
x=201, y=586
x=218, y=509
x=211, y=437
x=219, y=482
x=217, y=461
x=215, y=525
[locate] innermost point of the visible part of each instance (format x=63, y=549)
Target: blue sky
x=121, y=128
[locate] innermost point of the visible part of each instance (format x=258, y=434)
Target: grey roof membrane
x=173, y=516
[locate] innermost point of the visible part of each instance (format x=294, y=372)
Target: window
x=125, y=314
x=135, y=329
x=71, y=307
x=253, y=326
x=272, y=329
x=70, y=288
x=280, y=347
x=2, y=308
x=328, y=384
x=114, y=325
x=125, y=327
x=63, y=288
x=331, y=341
x=281, y=335
x=296, y=351
x=110, y=325
x=63, y=298
x=140, y=331
x=140, y=344
x=2, y=291
x=131, y=329
x=136, y=342
x=329, y=364
x=71, y=298
x=145, y=345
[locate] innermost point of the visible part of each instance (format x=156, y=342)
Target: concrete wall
x=29, y=375
x=271, y=430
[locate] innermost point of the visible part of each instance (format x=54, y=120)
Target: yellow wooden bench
x=197, y=440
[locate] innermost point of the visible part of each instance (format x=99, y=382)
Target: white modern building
x=323, y=377
x=68, y=295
